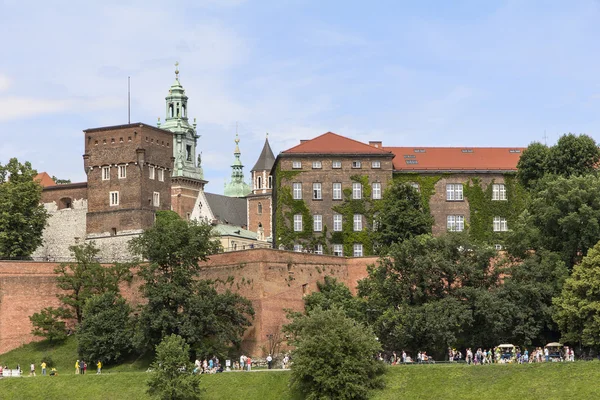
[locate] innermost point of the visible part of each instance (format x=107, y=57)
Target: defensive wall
x=273, y=280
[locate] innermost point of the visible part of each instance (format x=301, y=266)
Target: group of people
x=404, y=358
x=210, y=366
x=18, y=372
x=512, y=355
x=81, y=367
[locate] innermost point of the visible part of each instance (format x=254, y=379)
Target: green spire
x=237, y=187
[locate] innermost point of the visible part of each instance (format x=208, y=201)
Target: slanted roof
x=228, y=210
x=230, y=230
x=266, y=159
x=456, y=158
x=44, y=179
x=332, y=143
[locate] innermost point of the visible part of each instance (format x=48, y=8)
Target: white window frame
x=500, y=224
x=113, y=198
x=375, y=222
x=375, y=164
x=376, y=192
x=317, y=223
x=357, y=250
x=356, y=164
x=151, y=172
x=356, y=190
x=156, y=199
x=317, y=192
x=319, y=249
x=499, y=192
x=297, y=222
x=416, y=186
x=106, y=173
x=357, y=223
x=296, y=164
x=338, y=250
x=337, y=222
x=455, y=223
x=337, y=190
x=161, y=175
x=317, y=165
x=298, y=248
x=454, y=192
x=297, y=191
x=122, y=171
x=336, y=164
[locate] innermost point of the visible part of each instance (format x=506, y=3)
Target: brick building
x=260, y=201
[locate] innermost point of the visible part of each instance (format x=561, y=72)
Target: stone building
x=260, y=201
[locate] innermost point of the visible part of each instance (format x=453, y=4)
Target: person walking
x=32, y=372
x=43, y=368
x=77, y=367
x=99, y=366
x=249, y=363
x=82, y=367
x=269, y=361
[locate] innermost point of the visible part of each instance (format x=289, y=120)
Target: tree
x=334, y=294
x=532, y=164
x=400, y=215
x=106, y=330
x=334, y=356
x=178, y=300
x=50, y=323
x=60, y=181
x=577, y=309
x=172, y=377
x=86, y=277
x=22, y=217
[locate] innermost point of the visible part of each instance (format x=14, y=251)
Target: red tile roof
x=456, y=158
x=331, y=143
x=44, y=179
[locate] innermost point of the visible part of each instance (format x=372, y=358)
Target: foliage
x=86, y=277
x=22, y=216
x=334, y=294
x=172, y=377
x=107, y=330
x=426, y=185
x=577, y=309
x=532, y=164
x=50, y=323
x=400, y=215
x=334, y=356
x=285, y=210
x=178, y=301
x=60, y=181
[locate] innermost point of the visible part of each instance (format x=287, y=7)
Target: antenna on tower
x=545, y=138
x=129, y=100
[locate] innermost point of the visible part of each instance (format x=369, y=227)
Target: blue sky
x=427, y=73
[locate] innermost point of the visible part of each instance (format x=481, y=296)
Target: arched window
x=65, y=202
x=260, y=208
x=183, y=110
x=171, y=110
x=259, y=182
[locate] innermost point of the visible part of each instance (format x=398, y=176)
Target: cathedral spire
x=237, y=187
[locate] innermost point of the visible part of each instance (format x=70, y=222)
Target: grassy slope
x=543, y=381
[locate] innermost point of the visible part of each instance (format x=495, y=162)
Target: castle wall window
x=358, y=250
x=156, y=199
x=500, y=224
x=455, y=223
x=336, y=164
x=65, y=203
x=338, y=250
x=317, y=191
x=151, y=175
x=105, y=173
x=113, y=198
x=357, y=191
x=498, y=191
x=259, y=209
x=358, y=222
x=454, y=192
x=356, y=164
x=337, y=222
x=297, y=191
x=296, y=164
x=375, y=164
x=317, y=165
x=270, y=182
x=337, y=191
x=161, y=175
x=317, y=223
x=298, y=223
x=376, y=190
x=122, y=171
x=319, y=249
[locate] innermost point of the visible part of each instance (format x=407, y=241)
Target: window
x=358, y=222
x=455, y=223
x=337, y=222
x=375, y=164
x=336, y=164
x=317, y=165
x=416, y=186
x=298, y=248
x=376, y=190
x=259, y=210
x=161, y=175
x=454, y=192
x=156, y=199
x=357, y=191
x=500, y=224
x=317, y=223
x=296, y=164
x=122, y=171
x=270, y=182
x=337, y=191
x=259, y=182
x=355, y=164
x=317, y=191
x=113, y=231
x=375, y=222
x=114, y=198
x=498, y=192
x=188, y=152
x=151, y=175
x=298, y=223
x=358, y=250
x=338, y=250
x=319, y=249
x=498, y=247
x=105, y=173
x=297, y=191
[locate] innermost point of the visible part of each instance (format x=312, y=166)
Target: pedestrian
x=269, y=361
x=84, y=367
x=77, y=367
x=43, y=368
x=99, y=366
x=81, y=367
x=242, y=362
x=249, y=363
x=32, y=372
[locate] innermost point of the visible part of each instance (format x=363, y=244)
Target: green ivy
x=287, y=207
x=426, y=185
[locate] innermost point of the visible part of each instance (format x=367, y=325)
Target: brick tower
x=260, y=201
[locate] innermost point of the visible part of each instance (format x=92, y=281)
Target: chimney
x=375, y=144
x=303, y=141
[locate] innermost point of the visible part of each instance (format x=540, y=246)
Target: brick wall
x=263, y=218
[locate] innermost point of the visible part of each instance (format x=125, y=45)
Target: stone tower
x=237, y=187
x=260, y=201
x=187, y=179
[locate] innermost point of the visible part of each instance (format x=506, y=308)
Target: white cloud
x=4, y=82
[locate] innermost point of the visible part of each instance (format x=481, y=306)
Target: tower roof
x=266, y=159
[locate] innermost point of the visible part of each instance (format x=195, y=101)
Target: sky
x=425, y=73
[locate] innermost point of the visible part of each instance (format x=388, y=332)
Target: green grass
x=536, y=381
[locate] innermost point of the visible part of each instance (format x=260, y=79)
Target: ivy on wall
x=287, y=207
x=426, y=185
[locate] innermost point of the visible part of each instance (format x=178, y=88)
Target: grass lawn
x=536, y=381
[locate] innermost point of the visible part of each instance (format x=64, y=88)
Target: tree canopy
x=334, y=294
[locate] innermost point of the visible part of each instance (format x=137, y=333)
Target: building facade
x=260, y=201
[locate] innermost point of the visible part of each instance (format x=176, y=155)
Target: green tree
x=577, y=309
x=50, y=323
x=60, y=181
x=178, y=300
x=334, y=356
x=334, y=294
x=171, y=377
x=106, y=330
x=22, y=217
x=573, y=155
x=400, y=215
x=532, y=164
